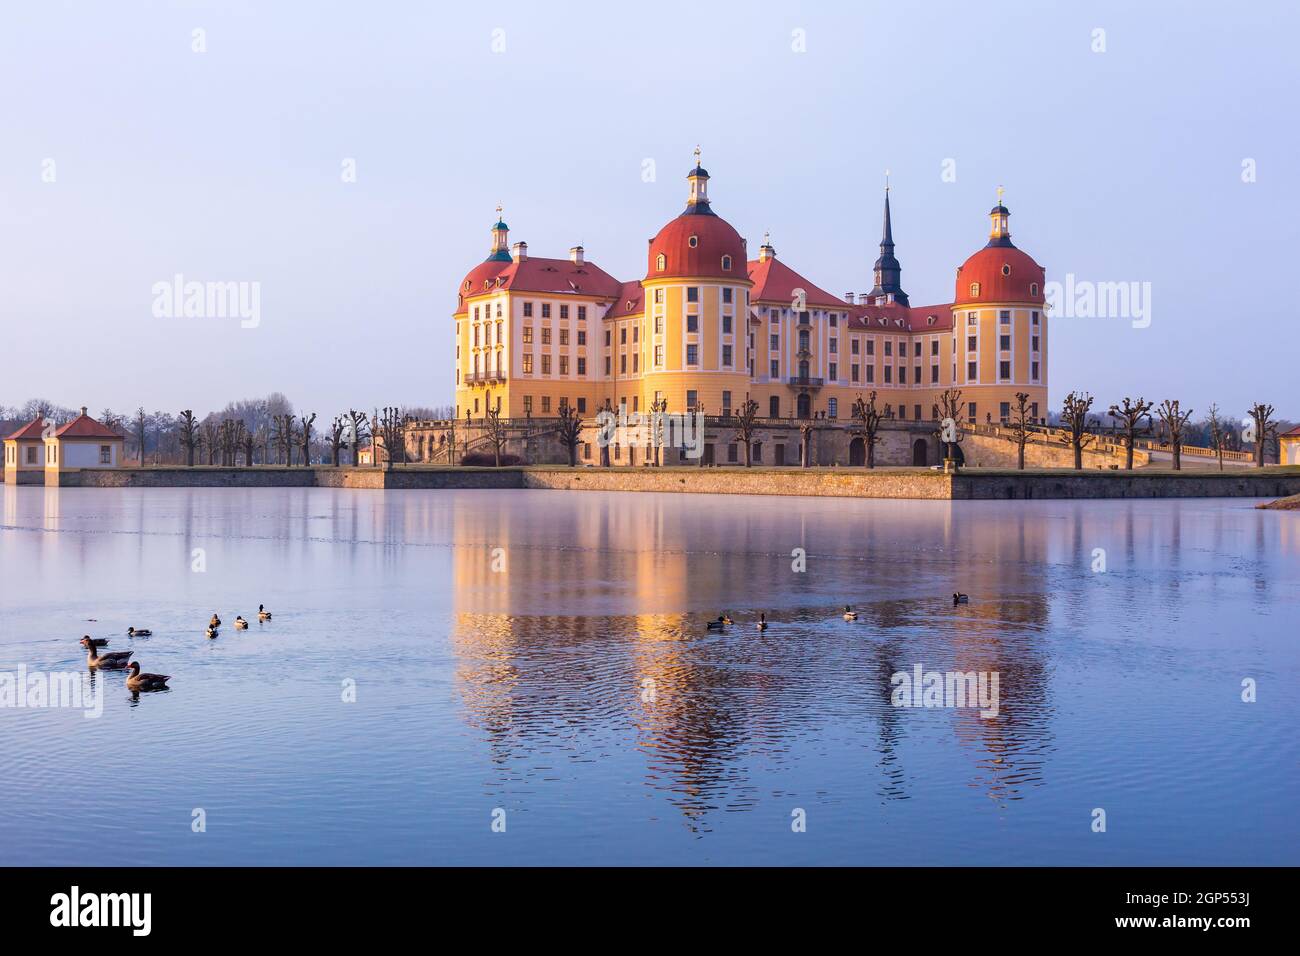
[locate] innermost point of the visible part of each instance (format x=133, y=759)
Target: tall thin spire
x=888, y=273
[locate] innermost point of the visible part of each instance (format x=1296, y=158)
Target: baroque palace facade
x=708, y=327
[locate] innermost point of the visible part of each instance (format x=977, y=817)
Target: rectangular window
x=971, y=410
x=607, y=338
x=726, y=325
x=659, y=295
x=1004, y=343
x=692, y=323
x=853, y=373
x=1004, y=412
x=692, y=354
x=528, y=404
x=1004, y=371
x=564, y=311
x=726, y=401
x=776, y=369
x=1033, y=344
x=622, y=364
x=774, y=407
x=528, y=310
x=917, y=351
x=528, y=363
x=582, y=365
x=564, y=365
x=934, y=347
x=582, y=405
x=733, y=453
x=726, y=356
x=871, y=346
x=833, y=408
x=775, y=343
x=834, y=371
x=105, y=454
x=902, y=375
x=546, y=364
x=889, y=347
x=582, y=313
x=692, y=294
x=1004, y=316
x=692, y=399
x=889, y=374
x=582, y=336
x=902, y=412
x=854, y=346
x=971, y=374
x=636, y=334
x=546, y=335
x=622, y=335
x=636, y=362
x=726, y=295
x=934, y=374
x=971, y=343
x=659, y=356
x=1033, y=318
x=971, y=318
x=871, y=374
x=834, y=346
x=546, y=404
x=564, y=336
x=1033, y=370
x=607, y=365
x=659, y=325
x=546, y=310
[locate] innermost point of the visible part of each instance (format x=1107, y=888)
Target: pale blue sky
x=1123, y=165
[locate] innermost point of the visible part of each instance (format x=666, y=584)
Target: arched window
x=726, y=263
x=1033, y=288
x=661, y=262
x=974, y=288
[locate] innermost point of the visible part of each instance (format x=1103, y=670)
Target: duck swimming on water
x=762, y=620
x=262, y=613
x=216, y=621
x=137, y=681
x=240, y=624
x=138, y=632
x=850, y=614
x=97, y=661
x=959, y=598
x=211, y=632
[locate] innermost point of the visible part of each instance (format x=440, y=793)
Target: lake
x=526, y=677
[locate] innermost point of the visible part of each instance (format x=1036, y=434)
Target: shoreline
x=896, y=483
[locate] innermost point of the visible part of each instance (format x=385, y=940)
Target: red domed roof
x=1003, y=273
x=714, y=238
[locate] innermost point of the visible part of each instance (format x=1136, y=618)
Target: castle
x=708, y=328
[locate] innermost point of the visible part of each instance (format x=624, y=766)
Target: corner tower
x=888, y=273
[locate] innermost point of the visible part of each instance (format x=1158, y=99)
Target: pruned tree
x=307, y=422
x=746, y=425
x=338, y=429
x=284, y=431
x=496, y=430
x=806, y=429
x=356, y=429
x=1215, y=425
x=1081, y=430
x=211, y=437
x=1020, y=427
x=1264, y=427
x=657, y=410
x=141, y=422
x=950, y=407
x=189, y=434
x=392, y=432
x=570, y=429
x=1134, y=419
x=248, y=447
x=1173, y=419
x=867, y=427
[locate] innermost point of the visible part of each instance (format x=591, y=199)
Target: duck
x=137, y=681
x=262, y=613
x=216, y=621
x=959, y=598
x=718, y=624
x=725, y=618
x=211, y=632
x=762, y=621
x=240, y=624
x=97, y=661
x=850, y=614
x=138, y=632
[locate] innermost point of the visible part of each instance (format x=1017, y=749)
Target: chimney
x=83, y=409
x=864, y=297
x=519, y=251
x=848, y=297
x=575, y=255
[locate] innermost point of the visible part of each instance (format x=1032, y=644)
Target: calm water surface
x=578, y=690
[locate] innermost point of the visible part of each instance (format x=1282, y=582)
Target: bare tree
x=189, y=431
x=1020, y=427
x=1135, y=421
x=806, y=429
x=950, y=408
x=141, y=421
x=392, y=432
x=283, y=435
x=1264, y=427
x=496, y=430
x=248, y=447
x=570, y=431
x=338, y=428
x=1216, y=432
x=1173, y=419
x=307, y=422
x=1074, y=416
x=657, y=410
x=746, y=425
x=868, y=419
x=356, y=427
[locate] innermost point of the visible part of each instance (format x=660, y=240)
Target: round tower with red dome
x=1000, y=328
x=697, y=308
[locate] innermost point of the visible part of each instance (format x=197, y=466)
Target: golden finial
x=1000, y=195
x=697, y=155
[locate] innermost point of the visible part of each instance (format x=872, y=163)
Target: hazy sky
x=226, y=165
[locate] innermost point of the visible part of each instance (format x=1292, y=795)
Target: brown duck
x=137, y=681
x=113, y=661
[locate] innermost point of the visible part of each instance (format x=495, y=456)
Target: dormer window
x=974, y=289
x=661, y=262
x=693, y=241
x=929, y=319
x=726, y=263
x=1033, y=288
